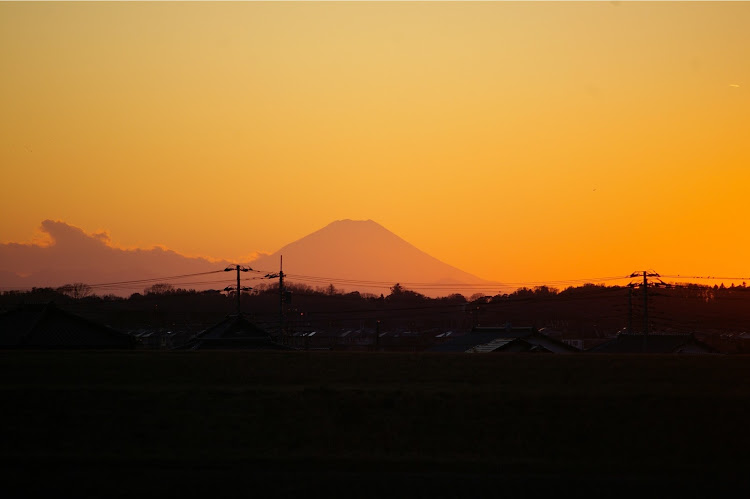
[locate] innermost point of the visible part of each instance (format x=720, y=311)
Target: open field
x=372, y=424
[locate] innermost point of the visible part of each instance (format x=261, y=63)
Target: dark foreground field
x=372, y=425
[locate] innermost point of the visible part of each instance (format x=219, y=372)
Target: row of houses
x=530, y=340
x=48, y=326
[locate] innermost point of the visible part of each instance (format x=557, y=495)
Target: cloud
x=103, y=237
x=63, y=253
x=254, y=256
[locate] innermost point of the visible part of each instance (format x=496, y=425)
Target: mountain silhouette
x=352, y=255
x=365, y=256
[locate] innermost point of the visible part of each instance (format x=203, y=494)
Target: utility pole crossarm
x=238, y=268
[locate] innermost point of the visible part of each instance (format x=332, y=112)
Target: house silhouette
x=46, y=326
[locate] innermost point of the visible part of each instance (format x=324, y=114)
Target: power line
x=136, y=286
x=678, y=276
x=133, y=283
x=260, y=274
x=486, y=306
x=155, y=279
x=177, y=282
x=412, y=284
x=432, y=285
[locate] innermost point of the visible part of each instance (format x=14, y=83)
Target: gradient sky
x=516, y=141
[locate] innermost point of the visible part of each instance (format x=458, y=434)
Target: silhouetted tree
x=160, y=288
x=454, y=298
x=76, y=290
x=522, y=292
x=545, y=291
x=399, y=293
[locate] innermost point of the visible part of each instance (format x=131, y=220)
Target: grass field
x=363, y=424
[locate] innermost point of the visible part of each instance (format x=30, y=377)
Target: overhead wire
x=137, y=283
x=292, y=277
x=469, y=306
x=260, y=274
x=156, y=279
x=678, y=276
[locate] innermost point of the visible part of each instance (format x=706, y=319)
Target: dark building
x=504, y=339
x=47, y=326
x=234, y=333
x=160, y=338
x=654, y=343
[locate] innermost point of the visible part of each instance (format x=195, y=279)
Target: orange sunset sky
x=517, y=141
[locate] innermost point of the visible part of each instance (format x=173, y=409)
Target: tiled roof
x=492, y=345
x=465, y=342
x=234, y=332
x=498, y=339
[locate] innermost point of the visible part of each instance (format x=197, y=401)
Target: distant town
x=687, y=318
x=350, y=286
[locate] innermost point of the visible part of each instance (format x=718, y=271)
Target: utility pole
x=377, y=334
x=645, y=304
x=239, y=289
x=645, y=274
x=630, y=308
x=282, y=293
